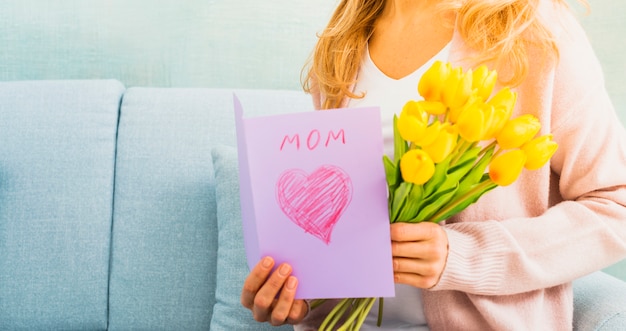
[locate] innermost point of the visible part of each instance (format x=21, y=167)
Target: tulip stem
x=381, y=303
x=335, y=314
x=316, y=303
x=357, y=308
x=498, y=152
x=460, y=150
x=492, y=145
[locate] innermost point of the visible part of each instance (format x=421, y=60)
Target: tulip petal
x=539, y=151
x=504, y=98
x=483, y=81
x=518, y=131
x=506, y=167
x=433, y=80
x=430, y=134
x=458, y=88
x=416, y=167
x=412, y=123
x=471, y=123
x=444, y=144
x=433, y=107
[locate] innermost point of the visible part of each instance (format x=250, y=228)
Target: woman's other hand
x=419, y=253
x=271, y=295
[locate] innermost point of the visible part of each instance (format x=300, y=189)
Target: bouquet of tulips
x=450, y=148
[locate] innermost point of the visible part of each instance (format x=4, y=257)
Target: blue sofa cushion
x=57, y=157
x=165, y=227
x=599, y=303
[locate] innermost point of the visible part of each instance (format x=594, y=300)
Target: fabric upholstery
x=164, y=232
x=57, y=157
x=599, y=303
x=165, y=236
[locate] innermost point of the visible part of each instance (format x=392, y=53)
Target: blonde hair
x=499, y=30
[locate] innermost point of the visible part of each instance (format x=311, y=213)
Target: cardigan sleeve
x=583, y=228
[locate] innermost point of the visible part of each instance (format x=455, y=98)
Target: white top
x=388, y=93
x=405, y=311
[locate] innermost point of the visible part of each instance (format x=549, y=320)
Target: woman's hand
x=270, y=295
x=419, y=253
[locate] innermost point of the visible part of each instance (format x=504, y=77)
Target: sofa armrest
x=599, y=303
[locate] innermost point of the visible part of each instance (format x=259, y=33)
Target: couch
x=119, y=210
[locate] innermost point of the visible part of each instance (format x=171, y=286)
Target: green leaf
x=467, y=160
x=411, y=204
x=441, y=170
x=476, y=175
x=466, y=202
x=470, y=153
x=436, y=202
x=399, y=198
x=446, y=178
x=454, y=176
x=391, y=172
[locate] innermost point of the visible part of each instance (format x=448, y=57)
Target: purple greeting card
x=313, y=194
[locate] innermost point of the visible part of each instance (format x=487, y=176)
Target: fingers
x=418, y=264
x=419, y=253
x=286, y=309
x=424, y=241
x=415, y=231
x=423, y=250
x=417, y=273
x=298, y=311
x=255, y=280
x=271, y=295
x=282, y=306
x=264, y=300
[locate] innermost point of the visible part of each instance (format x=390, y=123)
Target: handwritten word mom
x=314, y=139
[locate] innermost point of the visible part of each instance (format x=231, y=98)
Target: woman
x=506, y=262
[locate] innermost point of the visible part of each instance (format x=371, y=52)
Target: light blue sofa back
x=108, y=205
x=57, y=159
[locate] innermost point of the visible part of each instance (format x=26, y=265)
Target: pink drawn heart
x=315, y=202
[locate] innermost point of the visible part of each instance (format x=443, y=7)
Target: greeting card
x=313, y=194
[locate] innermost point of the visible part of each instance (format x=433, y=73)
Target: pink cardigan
x=513, y=255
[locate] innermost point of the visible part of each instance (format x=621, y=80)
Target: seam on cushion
x=117, y=131
x=601, y=326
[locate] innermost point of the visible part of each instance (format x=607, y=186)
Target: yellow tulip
x=539, y=151
x=497, y=118
x=458, y=88
x=483, y=81
x=415, y=108
x=433, y=107
x=454, y=113
x=505, y=168
x=416, y=166
x=412, y=121
x=472, y=123
x=433, y=81
x=504, y=98
x=518, y=131
x=430, y=134
x=444, y=144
